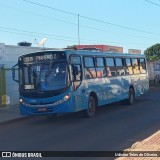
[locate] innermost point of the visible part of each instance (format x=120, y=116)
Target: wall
x=13, y=52
x=153, y=69
x=8, y=57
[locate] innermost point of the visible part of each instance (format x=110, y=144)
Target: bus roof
x=108, y=54
x=87, y=53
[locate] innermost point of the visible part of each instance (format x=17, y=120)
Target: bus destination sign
x=43, y=57
x=38, y=58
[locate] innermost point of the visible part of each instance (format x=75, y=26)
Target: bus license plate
x=42, y=109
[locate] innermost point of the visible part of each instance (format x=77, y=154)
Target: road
x=115, y=127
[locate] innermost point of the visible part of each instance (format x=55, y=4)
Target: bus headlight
x=66, y=97
x=20, y=100
x=23, y=103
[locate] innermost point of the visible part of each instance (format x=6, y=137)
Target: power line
x=153, y=3
x=37, y=33
x=42, y=34
x=67, y=22
x=33, y=35
x=61, y=38
x=93, y=19
x=55, y=19
x=40, y=15
x=117, y=25
x=74, y=14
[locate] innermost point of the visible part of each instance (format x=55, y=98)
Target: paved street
x=115, y=127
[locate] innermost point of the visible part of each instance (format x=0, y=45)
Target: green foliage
x=153, y=53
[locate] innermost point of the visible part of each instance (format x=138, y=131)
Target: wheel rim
x=91, y=107
x=131, y=96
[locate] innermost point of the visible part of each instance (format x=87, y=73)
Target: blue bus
x=63, y=81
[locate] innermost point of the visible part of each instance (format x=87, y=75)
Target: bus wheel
x=131, y=96
x=90, y=112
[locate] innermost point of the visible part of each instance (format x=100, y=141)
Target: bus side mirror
x=14, y=73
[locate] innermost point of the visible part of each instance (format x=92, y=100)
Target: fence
x=9, y=94
x=2, y=86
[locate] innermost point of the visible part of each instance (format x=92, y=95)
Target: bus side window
x=110, y=67
x=120, y=67
x=135, y=66
x=142, y=65
x=100, y=69
x=89, y=70
x=129, y=69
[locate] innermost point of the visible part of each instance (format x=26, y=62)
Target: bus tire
x=131, y=96
x=90, y=112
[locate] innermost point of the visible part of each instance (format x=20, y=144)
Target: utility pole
x=78, y=31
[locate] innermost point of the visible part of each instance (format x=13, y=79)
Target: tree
x=153, y=53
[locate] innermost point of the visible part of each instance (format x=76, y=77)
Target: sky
x=131, y=24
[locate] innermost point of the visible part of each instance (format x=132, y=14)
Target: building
x=8, y=57
x=153, y=70
x=101, y=48
x=134, y=51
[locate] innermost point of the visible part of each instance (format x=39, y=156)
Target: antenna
x=41, y=42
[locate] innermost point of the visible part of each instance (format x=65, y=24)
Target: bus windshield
x=43, y=77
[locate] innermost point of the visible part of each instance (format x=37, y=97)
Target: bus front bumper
x=65, y=107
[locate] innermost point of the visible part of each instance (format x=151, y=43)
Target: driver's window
x=76, y=71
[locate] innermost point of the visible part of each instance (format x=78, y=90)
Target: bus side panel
x=114, y=90
x=144, y=83
x=95, y=86
x=136, y=81
x=80, y=102
x=99, y=87
x=126, y=83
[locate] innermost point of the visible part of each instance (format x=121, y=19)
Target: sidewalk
x=151, y=143
x=9, y=113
